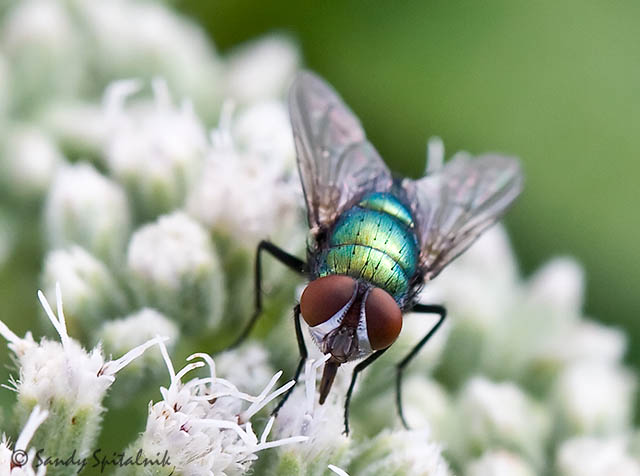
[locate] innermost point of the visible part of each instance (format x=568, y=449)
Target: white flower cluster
x=65, y=380
x=204, y=424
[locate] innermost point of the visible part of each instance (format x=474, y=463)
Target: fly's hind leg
x=292, y=262
x=421, y=308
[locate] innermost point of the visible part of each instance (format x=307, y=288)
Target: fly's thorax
x=373, y=241
x=349, y=318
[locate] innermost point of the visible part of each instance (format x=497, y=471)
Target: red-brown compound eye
x=384, y=319
x=325, y=296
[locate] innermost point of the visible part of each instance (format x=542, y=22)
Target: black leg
x=285, y=258
x=302, y=348
x=358, y=368
x=427, y=309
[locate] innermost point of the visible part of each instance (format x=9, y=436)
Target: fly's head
x=348, y=319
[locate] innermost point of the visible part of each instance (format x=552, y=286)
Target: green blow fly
x=375, y=239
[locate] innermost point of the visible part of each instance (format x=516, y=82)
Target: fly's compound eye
x=384, y=319
x=324, y=297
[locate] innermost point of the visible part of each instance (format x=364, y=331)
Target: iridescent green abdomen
x=374, y=241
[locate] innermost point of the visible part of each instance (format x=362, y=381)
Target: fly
x=375, y=240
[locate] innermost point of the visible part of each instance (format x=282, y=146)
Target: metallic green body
x=374, y=241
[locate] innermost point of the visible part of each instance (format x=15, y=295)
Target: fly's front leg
x=290, y=261
x=358, y=368
x=302, y=348
x=427, y=309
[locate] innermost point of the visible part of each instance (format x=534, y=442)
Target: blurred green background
x=556, y=83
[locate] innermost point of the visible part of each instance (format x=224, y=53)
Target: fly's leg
x=427, y=309
x=302, y=348
x=358, y=368
x=290, y=261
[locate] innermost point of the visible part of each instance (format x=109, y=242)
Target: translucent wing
x=455, y=205
x=335, y=160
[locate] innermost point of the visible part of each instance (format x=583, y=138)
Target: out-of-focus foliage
x=555, y=83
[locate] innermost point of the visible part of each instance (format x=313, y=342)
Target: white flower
x=28, y=161
x=16, y=460
x=322, y=424
x=155, y=150
x=204, y=423
x=174, y=268
x=264, y=128
x=248, y=366
x=588, y=456
x=401, y=453
x=262, y=69
x=66, y=380
x=499, y=463
x=594, y=398
x=247, y=194
x=84, y=207
x=92, y=293
x=498, y=415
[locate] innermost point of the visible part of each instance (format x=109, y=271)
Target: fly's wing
x=455, y=205
x=335, y=160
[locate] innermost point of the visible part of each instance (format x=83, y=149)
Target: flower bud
x=92, y=294
x=273, y=59
x=559, y=286
x=593, y=398
x=499, y=463
x=401, y=453
x=498, y=415
x=247, y=366
x=85, y=208
x=589, y=456
x=28, y=162
x=155, y=152
x=38, y=37
x=80, y=128
x=119, y=335
x=174, y=268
